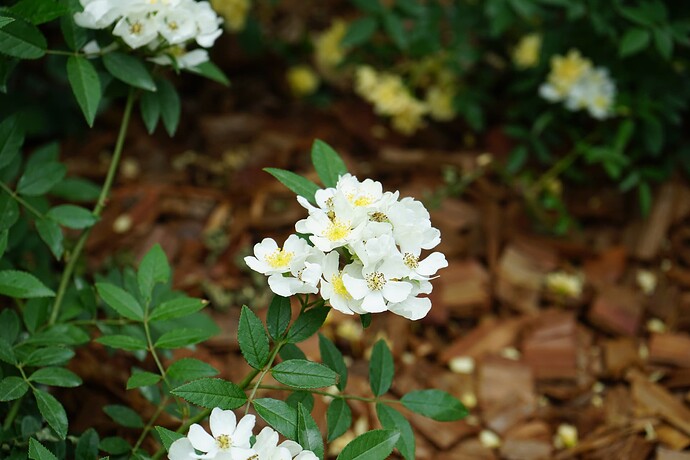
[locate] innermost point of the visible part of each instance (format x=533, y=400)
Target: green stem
x=334, y=396
x=265, y=370
x=560, y=166
x=64, y=53
x=98, y=208
x=152, y=349
x=21, y=201
x=12, y=414
x=149, y=425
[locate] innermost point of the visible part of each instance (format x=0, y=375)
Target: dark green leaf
x=11, y=139
x=129, y=69
x=75, y=36
x=176, y=308
x=328, y=164
x=4, y=21
x=279, y=315
x=308, y=433
x=51, y=234
x=212, y=393
x=644, y=194
x=87, y=446
x=114, y=445
x=52, y=356
x=9, y=325
x=183, y=337
x=303, y=374
x=365, y=319
x=86, y=86
x=38, y=11
x=252, y=338
x=121, y=301
x=150, y=110
x=369, y=6
x=76, y=189
x=634, y=41
x=298, y=184
x=38, y=452
x=12, y=388
x=71, y=216
x=9, y=211
x=393, y=420
x=301, y=397
x=59, y=334
x=123, y=342
x=154, y=268
x=396, y=30
x=170, y=105
x=142, y=379
x=35, y=313
x=124, y=416
x=338, y=418
x=22, y=40
x=435, y=404
x=209, y=70
x=291, y=351
x=38, y=181
x=6, y=352
x=56, y=377
x=372, y=445
x=4, y=234
x=190, y=369
x=52, y=411
x=167, y=437
x=307, y=324
x=22, y=285
x=279, y=415
x=381, y=369
x=333, y=358
x=359, y=32
x=663, y=39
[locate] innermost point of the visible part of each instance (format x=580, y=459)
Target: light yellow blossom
x=329, y=51
x=565, y=72
x=303, y=80
x=526, y=53
x=233, y=11
x=439, y=100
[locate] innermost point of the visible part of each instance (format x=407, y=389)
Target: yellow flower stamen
x=279, y=258
x=339, y=287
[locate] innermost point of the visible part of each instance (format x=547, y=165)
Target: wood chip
x=491, y=336
x=670, y=348
x=525, y=449
x=550, y=348
x=464, y=289
x=618, y=310
x=657, y=400
x=667, y=454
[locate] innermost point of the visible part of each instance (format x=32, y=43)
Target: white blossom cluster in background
x=581, y=86
x=231, y=440
x=366, y=255
x=162, y=27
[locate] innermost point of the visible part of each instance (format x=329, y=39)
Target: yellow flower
x=565, y=72
x=439, y=100
x=366, y=80
x=302, y=80
x=329, y=52
x=234, y=11
x=526, y=53
x=410, y=117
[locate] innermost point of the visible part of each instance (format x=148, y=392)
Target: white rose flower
x=208, y=24
x=267, y=448
x=137, y=29
x=414, y=307
x=177, y=25
x=302, y=279
x=333, y=289
x=269, y=259
x=99, y=14
x=185, y=60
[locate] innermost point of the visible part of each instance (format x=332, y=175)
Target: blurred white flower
x=267, y=448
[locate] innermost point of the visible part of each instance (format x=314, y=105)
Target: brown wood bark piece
x=670, y=348
x=619, y=355
x=464, y=289
x=671, y=437
x=655, y=228
x=525, y=449
x=491, y=336
x=659, y=401
x=608, y=267
x=617, y=310
x=471, y=449
x=667, y=454
x=550, y=349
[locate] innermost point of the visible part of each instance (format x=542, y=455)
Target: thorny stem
x=334, y=396
x=20, y=200
x=98, y=208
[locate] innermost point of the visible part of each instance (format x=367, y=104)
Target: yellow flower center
x=376, y=281
x=224, y=442
x=337, y=230
x=135, y=28
x=173, y=25
x=339, y=287
x=363, y=201
x=279, y=258
x=411, y=260
x=378, y=216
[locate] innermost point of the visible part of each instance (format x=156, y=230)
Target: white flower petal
x=431, y=264
x=244, y=431
x=396, y=291
x=355, y=286
x=181, y=449
x=374, y=302
x=222, y=422
x=413, y=308
x=292, y=447
x=200, y=439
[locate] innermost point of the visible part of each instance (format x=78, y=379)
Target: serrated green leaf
x=71, y=216
x=365, y=320
x=121, y=301
x=38, y=11
x=22, y=40
x=381, y=368
x=359, y=32
x=279, y=316
x=56, y=377
x=75, y=36
x=291, y=351
x=22, y=285
x=129, y=69
x=6, y=352
x=278, y=414
x=167, y=437
x=142, y=379
x=435, y=404
x=35, y=313
x=634, y=41
x=253, y=339
x=209, y=70
x=114, y=445
x=150, y=110
x=301, y=397
x=395, y=29
x=308, y=433
x=328, y=164
x=52, y=411
x=154, y=268
x=663, y=39
x=183, y=337
x=393, y=420
x=4, y=21
x=9, y=211
x=86, y=86
x=4, y=234
x=52, y=356
x=212, y=393
x=9, y=325
x=38, y=452
x=176, y=308
x=333, y=358
x=59, y=334
x=303, y=374
x=123, y=342
x=298, y=184
x=51, y=234
x=307, y=324
x=190, y=369
x=170, y=105
x=372, y=445
x=12, y=388
x=39, y=181
x=87, y=446
x=76, y=189
x=338, y=418
x=11, y=139
x=124, y=416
